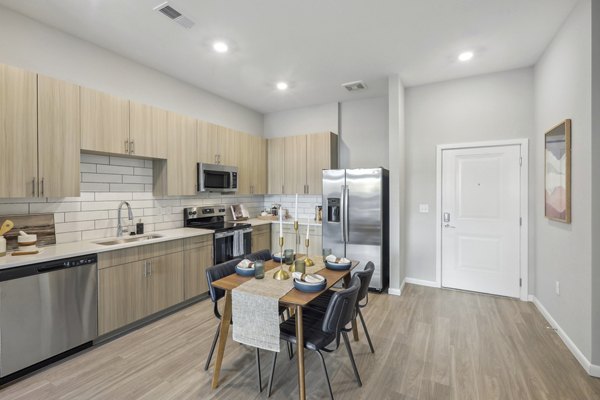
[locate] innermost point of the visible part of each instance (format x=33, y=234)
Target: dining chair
x=264, y=255
x=365, y=276
x=213, y=274
x=322, y=329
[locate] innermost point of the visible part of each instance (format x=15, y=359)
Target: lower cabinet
x=261, y=237
x=149, y=279
x=197, y=257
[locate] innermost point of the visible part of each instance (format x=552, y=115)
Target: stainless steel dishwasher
x=46, y=310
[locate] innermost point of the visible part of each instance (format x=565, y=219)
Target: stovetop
x=210, y=217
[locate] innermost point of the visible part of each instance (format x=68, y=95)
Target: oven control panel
x=203, y=212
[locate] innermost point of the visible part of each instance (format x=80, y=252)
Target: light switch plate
x=424, y=208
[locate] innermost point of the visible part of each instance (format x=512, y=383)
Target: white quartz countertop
x=67, y=250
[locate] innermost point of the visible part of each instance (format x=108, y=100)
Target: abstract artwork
x=558, y=172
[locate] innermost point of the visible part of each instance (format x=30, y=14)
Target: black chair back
x=264, y=255
x=215, y=273
x=340, y=310
x=365, y=280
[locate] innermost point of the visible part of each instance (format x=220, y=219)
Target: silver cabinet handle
x=127, y=147
x=132, y=147
x=33, y=187
x=42, y=187
x=150, y=263
x=145, y=269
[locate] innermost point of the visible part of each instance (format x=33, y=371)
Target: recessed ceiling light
x=220, y=47
x=282, y=85
x=465, y=56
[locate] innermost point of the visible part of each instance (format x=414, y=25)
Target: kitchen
x=114, y=137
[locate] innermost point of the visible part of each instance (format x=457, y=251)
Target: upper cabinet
x=295, y=163
x=104, y=122
x=182, y=155
x=58, y=134
x=148, y=131
x=18, y=133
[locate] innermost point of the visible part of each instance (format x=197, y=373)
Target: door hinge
x=521, y=161
x=520, y=282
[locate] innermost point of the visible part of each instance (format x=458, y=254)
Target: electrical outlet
x=424, y=208
x=557, y=288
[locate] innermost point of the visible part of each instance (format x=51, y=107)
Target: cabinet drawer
x=197, y=241
x=118, y=257
x=160, y=249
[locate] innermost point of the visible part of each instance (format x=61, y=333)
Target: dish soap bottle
x=139, y=227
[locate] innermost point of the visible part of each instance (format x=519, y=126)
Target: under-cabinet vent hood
x=174, y=15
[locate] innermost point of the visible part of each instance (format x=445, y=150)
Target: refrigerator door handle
x=346, y=215
x=343, y=213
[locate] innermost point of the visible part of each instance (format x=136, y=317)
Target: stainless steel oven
x=217, y=178
x=232, y=243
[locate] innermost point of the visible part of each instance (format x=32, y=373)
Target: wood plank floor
x=429, y=343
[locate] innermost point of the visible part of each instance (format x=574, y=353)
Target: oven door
x=247, y=240
x=223, y=247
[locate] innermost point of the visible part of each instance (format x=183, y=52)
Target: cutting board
x=41, y=225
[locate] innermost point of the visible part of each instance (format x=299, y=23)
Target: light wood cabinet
x=104, y=122
x=148, y=131
x=58, y=138
x=197, y=257
x=299, y=169
x=208, y=142
x=294, y=179
x=261, y=237
x=18, y=133
x=165, y=282
x=121, y=296
x=182, y=156
x=276, y=165
x=321, y=153
x=258, y=164
x=289, y=235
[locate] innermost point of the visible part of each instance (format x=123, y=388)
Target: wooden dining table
x=294, y=299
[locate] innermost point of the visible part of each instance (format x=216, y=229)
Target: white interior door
x=481, y=219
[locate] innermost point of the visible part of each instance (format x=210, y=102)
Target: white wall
x=596, y=184
x=299, y=121
x=31, y=45
x=483, y=108
x=397, y=160
x=563, y=90
x=364, y=133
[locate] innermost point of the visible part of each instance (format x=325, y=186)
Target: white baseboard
x=591, y=369
x=421, y=282
x=395, y=292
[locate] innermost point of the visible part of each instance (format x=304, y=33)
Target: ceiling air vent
x=354, y=86
x=175, y=15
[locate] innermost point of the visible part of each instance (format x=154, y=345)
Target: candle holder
x=297, y=237
x=281, y=275
x=307, y=261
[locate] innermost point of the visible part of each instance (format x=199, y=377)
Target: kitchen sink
x=130, y=239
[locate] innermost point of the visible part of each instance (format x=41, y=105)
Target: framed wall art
x=557, y=172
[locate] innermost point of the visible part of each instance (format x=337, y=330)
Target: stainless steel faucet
x=120, y=228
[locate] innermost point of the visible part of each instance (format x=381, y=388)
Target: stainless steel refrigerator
x=356, y=218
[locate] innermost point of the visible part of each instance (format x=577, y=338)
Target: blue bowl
x=338, y=267
x=244, y=271
x=310, y=287
x=278, y=258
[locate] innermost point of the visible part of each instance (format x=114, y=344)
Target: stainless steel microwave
x=217, y=178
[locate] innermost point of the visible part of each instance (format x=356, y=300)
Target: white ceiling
x=315, y=45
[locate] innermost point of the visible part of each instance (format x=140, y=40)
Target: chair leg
x=258, y=369
x=326, y=374
x=212, y=348
x=347, y=343
x=290, y=350
x=362, y=320
x=272, y=374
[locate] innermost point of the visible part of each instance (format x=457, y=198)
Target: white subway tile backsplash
x=85, y=167
x=128, y=187
x=114, y=169
x=94, y=159
x=38, y=208
x=94, y=187
x=108, y=196
x=137, y=179
x=100, y=205
x=85, y=216
x=74, y=226
x=59, y=217
x=142, y=196
x=98, y=234
x=101, y=178
x=142, y=203
x=127, y=162
x=19, y=208
x=143, y=171
x=148, y=163
x=68, y=237
x=148, y=188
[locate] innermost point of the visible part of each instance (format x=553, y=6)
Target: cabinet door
x=148, y=131
x=258, y=165
x=243, y=143
x=321, y=153
x=261, y=238
x=18, y=133
x=276, y=166
x=230, y=149
x=294, y=180
x=104, y=122
x=121, y=296
x=182, y=155
x=165, y=282
x=58, y=133
x=208, y=142
x=196, y=261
